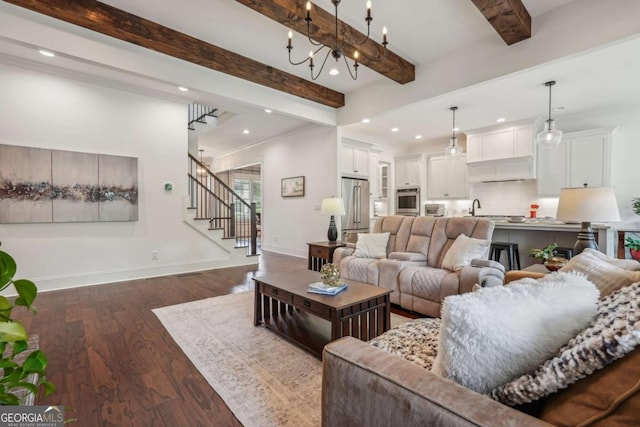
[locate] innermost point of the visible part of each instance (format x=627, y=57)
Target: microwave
x=408, y=201
x=434, y=209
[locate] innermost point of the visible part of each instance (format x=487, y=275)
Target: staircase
x=224, y=212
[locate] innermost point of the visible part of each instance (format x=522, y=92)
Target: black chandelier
x=337, y=50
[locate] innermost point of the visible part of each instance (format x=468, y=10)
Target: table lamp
x=332, y=206
x=586, y=205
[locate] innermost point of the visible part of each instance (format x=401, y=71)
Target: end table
x=321, y=253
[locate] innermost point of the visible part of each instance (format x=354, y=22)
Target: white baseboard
x=54, y=283
x=285, y=251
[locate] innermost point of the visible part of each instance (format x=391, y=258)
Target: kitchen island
x=540, y=233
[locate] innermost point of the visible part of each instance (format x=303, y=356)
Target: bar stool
x=513, y=254
x=564, y=252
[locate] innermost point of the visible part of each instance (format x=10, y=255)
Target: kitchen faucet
x=472, y=211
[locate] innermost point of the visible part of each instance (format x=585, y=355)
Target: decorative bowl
x=330, y=274
x=555, y=263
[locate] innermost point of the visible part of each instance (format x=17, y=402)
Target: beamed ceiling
x=508, y=17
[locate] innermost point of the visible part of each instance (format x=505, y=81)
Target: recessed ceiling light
x=394, y=129
x=246, y=131
x=557, y=108
x=268, y=111
x=47, y=53
x=418, y=136
x=334, y=72
x=183, y=89
x=456, y=129
x=365, y=120
x=501, y=119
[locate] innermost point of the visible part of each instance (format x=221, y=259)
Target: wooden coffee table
x=283, y=305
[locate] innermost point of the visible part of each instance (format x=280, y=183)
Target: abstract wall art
x=42, y=185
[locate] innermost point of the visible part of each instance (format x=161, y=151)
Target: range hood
x=512, y=169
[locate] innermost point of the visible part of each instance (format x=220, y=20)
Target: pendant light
x=550, y=136
x=453, y=149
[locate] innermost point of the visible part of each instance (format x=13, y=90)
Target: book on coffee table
x=321, y=288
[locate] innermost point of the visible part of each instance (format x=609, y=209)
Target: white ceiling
x=419, y=30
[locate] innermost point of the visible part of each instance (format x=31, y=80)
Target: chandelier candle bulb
x=308, y=18
x=368, y=11
x=290, y=38
x=384, y=36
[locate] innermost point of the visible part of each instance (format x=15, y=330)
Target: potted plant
x=634, y=247
x=22, y=373
x=547, y=256
x=635, y=205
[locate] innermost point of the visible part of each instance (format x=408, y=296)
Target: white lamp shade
x=332, y=206
x=597, y=204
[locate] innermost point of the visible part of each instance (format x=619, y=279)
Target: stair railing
x=198, y=113
x=216, y=202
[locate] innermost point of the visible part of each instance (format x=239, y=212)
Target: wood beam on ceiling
x=509, y=18
x=124, y=26
x=291, y=13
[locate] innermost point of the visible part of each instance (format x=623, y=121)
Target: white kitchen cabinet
x=498, y=144
x=447, y=177
x=408, y=171
x=354, y=160
x=374, y=182
x=581, y=158
x=553, y=170
x=474, y=148
x=383, y=180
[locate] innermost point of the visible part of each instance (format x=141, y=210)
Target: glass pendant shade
x=550, y=136
x=453, y=149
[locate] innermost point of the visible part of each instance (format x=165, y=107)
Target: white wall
x=41, y=110
x=288, y=224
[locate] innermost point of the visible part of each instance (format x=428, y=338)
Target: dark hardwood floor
x=113, y=362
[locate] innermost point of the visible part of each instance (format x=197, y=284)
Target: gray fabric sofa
x=413, y=269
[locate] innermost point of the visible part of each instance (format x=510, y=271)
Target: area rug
x=263, y=379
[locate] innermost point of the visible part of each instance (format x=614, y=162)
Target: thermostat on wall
x=168, y=186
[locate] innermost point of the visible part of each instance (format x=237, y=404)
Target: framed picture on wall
x=292, y=187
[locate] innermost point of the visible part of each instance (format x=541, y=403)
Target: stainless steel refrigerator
x=355, y=196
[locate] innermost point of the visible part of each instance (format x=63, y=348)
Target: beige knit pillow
x=625, y=264
x=607, y=277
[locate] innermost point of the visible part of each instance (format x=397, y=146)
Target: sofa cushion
x=489, y=337
x=371, y=245
x=415, y=341
x=611, y=394
x=606, y=276
x=423, y=282
x=614, y=332
x=360, y=269
x=625, y=264
x=463, y=250
x=408, y=256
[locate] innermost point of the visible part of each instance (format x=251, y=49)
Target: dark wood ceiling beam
x=124, y=26
x=291, y=13
x=509, y=18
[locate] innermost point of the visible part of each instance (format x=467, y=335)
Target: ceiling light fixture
x=550, y=136
x=365, y=120
x=183, y=89
x=47, y=53
x=501, y=120
x=246, y=131
x=337, y=50
x=394, y=129
x=453, y=149
x=268, y=111
x=418, y=136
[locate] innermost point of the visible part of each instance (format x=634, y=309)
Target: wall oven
x=408, y=201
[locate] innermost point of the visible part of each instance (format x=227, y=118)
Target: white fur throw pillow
x=606, y=276
x=614, y=332
x=371, y=245
x=492, y=336
x=463, y=250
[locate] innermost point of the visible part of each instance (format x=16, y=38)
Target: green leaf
x=7, y=268
x=31, y=387
x=6, y=363
x=27, y=291
x=48, y=388
x=9, y=399
x=35, y=362
x=19, y=347
x=12, y=331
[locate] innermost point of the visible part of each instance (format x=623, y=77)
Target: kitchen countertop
x=545, y=225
